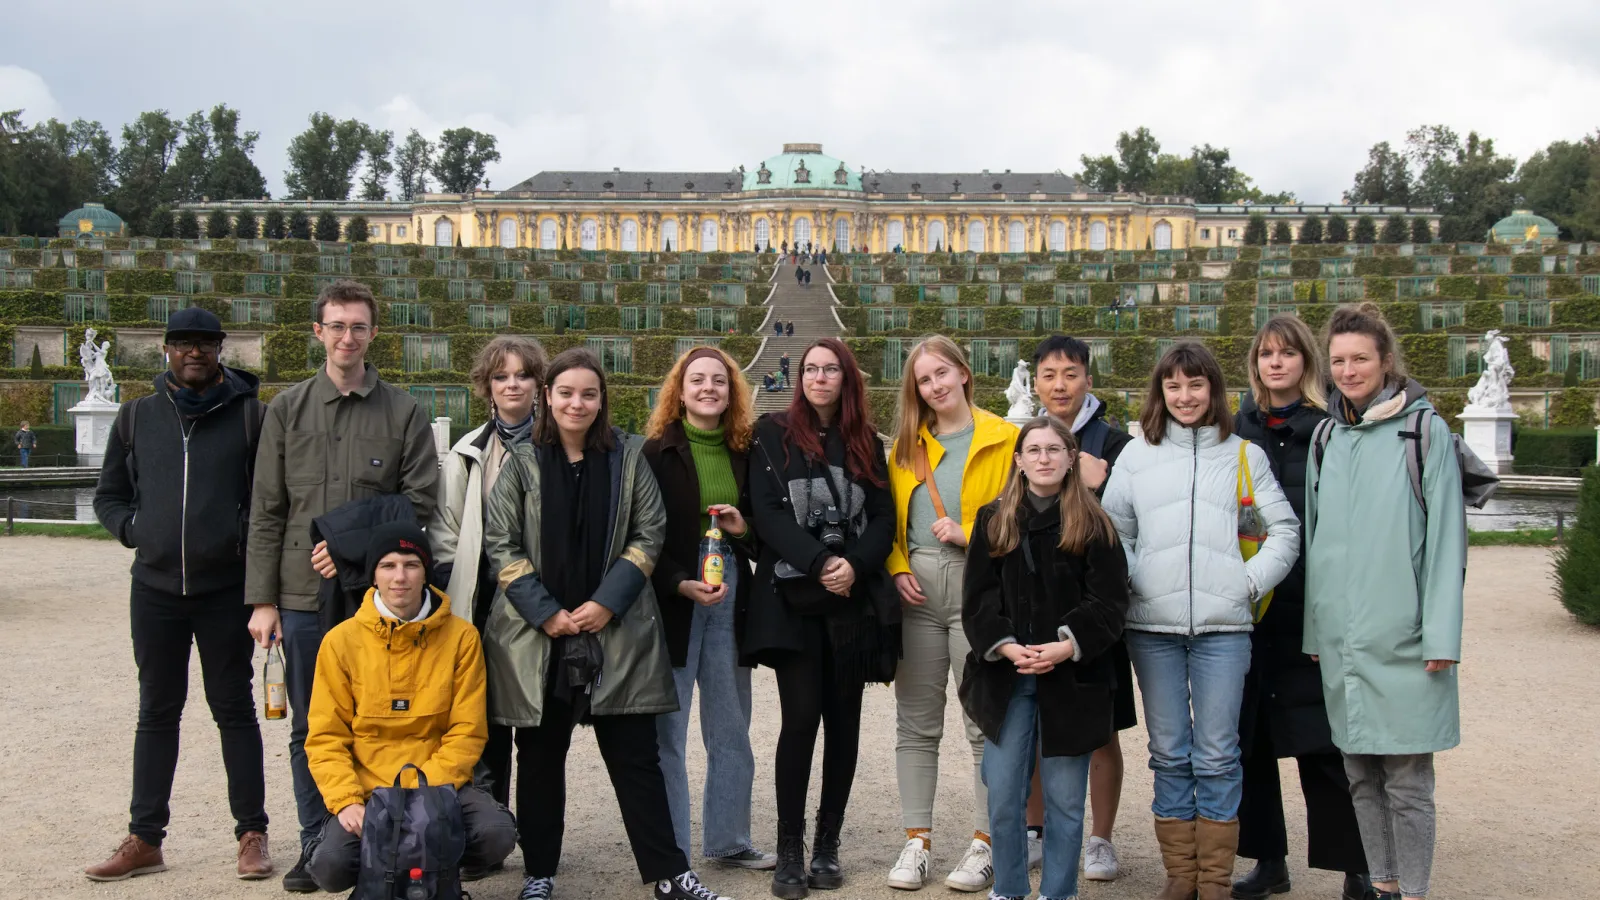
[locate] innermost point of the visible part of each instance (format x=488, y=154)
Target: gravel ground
x=1513, y=798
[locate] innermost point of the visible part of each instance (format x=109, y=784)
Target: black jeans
x=1333, y=842
x=164, y=626
x=491, y=834
x=810, y=695
x=633, y=760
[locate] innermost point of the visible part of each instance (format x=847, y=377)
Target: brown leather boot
x=255, y=863
x=1217, y=844
x=1177, y=840
x=132, y=857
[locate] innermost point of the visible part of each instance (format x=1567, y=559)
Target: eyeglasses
x=826, y=372
x=210, y=348
x=360, y=331
x=1037, y=452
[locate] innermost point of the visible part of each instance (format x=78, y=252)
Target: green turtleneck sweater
x=714, y=469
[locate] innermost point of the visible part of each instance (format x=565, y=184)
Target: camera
x=829, y=525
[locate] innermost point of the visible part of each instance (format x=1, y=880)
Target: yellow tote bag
x=1252, y=530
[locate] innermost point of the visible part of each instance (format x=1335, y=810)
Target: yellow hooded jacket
x=389, y=693
x=988, y=463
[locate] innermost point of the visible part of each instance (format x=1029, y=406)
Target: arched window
x=1163, y=236
x=1016, y=238
x=444, y=233
x=630, y=235
x=936, y=236
x=589, y=235
x=1097, y=235
x=802, y=231
x=763, y=234
x=548, y=239
x=708, y=236
x=975, y=236
x=508, y=232
x=897, y=234
x=1058, y=236
x=669, y=235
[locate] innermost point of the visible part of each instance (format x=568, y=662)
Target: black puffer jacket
x=1283, y=691
x=183, y=503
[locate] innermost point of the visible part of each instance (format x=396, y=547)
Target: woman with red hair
x=821, y=612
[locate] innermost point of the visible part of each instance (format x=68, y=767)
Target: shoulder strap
x=1246, y=484
x=1415, y=434
x=924, y=473
x=1319, y=446
x=253, y=421
x=127, y=418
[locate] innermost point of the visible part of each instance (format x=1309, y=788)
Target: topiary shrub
x=300, y=226
x=275, y=227
x=327, y=226
x=1578, y=560
x=218, y=224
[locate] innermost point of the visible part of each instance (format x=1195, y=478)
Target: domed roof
x=1523, y=226
x=92, y=219
x=802, y=166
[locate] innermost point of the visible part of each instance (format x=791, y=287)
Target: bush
x=246, y=225
x=1311, y=230
x=356, y=231
x=1578, y=560
x=1255, y=230
x=327, y=226
x=1338, y=229
x=188, y=224
x=217, y=224
x=1553, y=451
x=1394, y=230
x=1366, y=230
x=1420, y=232
x=300, y=226
x=274, y=228
x=1281, y=232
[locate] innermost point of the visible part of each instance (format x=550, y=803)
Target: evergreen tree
x=1311, y=230
x=161, y=224
x=327, y=226
x=217, y=224
x=1578, y=559
x=1483, y=291
x=1255, y=230
x=36, y=365
x=188, y=224
x=274, y=228
x=1338, y=229
x=246, y=225
x=356, y=230
x=1366, y=230
x=1147, y=244
x=1420, y=232
x=1314, y=298
x=300, y=226
x=1394, y=230
x=1281, y=233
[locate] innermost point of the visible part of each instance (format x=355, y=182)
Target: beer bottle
x=711, y=549
x=272, y=684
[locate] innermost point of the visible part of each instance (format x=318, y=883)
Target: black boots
x=1270, y=876
x=825, y=873
x=789, y=879
x=1357, y=887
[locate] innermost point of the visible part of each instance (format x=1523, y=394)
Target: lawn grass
x=1527, y=537
x=64, y=529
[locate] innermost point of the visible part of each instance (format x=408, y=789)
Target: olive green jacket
x=636, y=676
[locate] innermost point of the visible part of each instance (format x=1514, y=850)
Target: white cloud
x=25, y=90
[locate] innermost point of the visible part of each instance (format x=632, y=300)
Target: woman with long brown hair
x=949, y=459
x=821, y=613
x=1045, y=596
x=698, y=447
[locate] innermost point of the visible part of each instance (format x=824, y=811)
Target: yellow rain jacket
x=988, y=463
x=389, y=693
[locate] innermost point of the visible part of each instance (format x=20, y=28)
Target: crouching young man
x=401, y=682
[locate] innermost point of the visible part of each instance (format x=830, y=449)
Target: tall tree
x=246, y=225
x=274, y=227
x=463, y=155
x=412, y=162
x=375, y=175
x=149, y=144
x=48, y=169
x=218, y=225
x=1132, y=169
x=1421, y=232
x=1311, y=230
x=1338, y=229
x=1366, y=230
x=323, y=158
x=327, y=226
x=1562, y=183
x=1255, y=230
x=1394, y=230
x=1468, y=183
x=355, y=231
x=1385, y=179
x=300, y=225
x=188, y=225
x=160, y=223
x=1281, y=232
x=232, y=174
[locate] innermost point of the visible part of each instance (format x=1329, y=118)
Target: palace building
x=804, y=195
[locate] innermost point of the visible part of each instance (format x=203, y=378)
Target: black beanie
x=398, y=537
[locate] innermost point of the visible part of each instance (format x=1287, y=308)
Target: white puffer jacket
x=1176, y=506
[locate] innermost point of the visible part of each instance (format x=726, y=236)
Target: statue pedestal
x=93, y=421
x=1488, y=433
x=441, y=435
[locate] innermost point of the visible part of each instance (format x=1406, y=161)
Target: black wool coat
x=672, y=462
x=1283, y=690
x=1029, y=594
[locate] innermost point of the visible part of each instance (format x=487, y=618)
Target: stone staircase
x=811, y=310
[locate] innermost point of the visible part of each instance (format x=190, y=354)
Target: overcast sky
x=1297, y=92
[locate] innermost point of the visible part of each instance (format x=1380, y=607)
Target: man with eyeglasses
x=344, y=434
x=175, y=486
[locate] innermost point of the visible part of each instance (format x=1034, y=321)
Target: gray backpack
x=1478, y=482
x=412, y=842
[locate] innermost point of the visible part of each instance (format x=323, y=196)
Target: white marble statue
x=96, y=370
x=1493, y=390
x=1020, y=393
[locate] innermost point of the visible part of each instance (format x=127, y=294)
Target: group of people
x=781, y=328
x=547, y=573
x=801, y=254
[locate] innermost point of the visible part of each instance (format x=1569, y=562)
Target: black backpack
x=412, y=842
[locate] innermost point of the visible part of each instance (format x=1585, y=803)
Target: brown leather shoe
x=255, y=863
x=132, y=857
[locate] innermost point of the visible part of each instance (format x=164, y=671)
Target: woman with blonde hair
x=698, y=443
x=949, y=459
x=1283, y=714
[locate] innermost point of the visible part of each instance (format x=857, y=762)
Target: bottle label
x=277, y=702
x=711, y=569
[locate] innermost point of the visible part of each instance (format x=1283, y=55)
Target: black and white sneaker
x=537, y=888
x=686, y=887
x=748, y=858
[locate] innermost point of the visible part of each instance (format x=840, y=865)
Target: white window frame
x=669, y=234
x=897, y=234
x=802, y=230
x=508, y=232
x=549, y=235
x=977, y=239
x=1163, y=236
x=841, y=234
x=589, y=235
x=444, y=233
x=936, y=236
x=1098, y=233
x=1205, y=234
x=399, y=231
x=1016, y=238
x=1058, y=236
x=630, y=235
x=708, y=236
x=763, y=234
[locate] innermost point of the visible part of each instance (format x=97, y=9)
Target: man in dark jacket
x=1065, y=385
x=344, y=434
x=26, y=442
x=175, y=486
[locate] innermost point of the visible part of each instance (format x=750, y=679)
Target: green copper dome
x=802, y=167
x=92, y=219
x=1523, y=226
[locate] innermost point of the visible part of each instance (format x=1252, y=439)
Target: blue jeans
x=713, y=663
x=24, y=453
x=1008, y=772
x=302, y=638
x=1192, y=688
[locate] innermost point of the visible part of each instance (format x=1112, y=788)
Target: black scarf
x=513, y=435
x=574, y=537
x=1284, y=412
x=193, y=404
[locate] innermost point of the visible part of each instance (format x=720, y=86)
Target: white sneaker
x=1035, y=849
x=975, y=871
x=1100, y=860
x=911, y=869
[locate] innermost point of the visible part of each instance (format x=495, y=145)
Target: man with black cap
x=175, y=486
x=400, y=683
